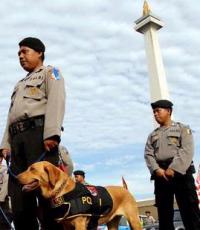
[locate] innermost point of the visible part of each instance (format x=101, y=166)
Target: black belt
x=24, y=125
x=165, y=163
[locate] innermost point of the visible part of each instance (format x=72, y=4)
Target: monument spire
x=148, y=25
x=146, y=9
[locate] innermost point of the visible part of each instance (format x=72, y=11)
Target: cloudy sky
x=102, y=59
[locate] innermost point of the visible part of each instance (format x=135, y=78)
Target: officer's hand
x=169, y=173
x=50, y=144
x=4, y=154
x=161, y=173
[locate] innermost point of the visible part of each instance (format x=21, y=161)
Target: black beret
x=79, y=172
x=162, y=104
x=33, y=43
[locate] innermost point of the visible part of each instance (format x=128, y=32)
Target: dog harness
x=84, y=200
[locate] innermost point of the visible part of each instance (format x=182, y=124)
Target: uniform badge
x=33, y=91
x=174, y=140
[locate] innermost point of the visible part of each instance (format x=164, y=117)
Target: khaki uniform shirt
x=174, y=142
x=40, y=93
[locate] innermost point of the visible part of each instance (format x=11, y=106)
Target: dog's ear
x=53, y=174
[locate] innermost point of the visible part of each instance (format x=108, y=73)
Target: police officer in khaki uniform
x=33, y=127
x=168, y=153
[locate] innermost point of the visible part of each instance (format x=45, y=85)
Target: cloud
x=104, y=65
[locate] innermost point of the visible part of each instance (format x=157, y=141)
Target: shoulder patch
x=185, y=128
x=55, y=74
x=189, y=131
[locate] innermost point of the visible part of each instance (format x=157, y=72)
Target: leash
x=41, y=157
x=6, y=218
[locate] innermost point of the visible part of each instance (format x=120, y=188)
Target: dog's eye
x=32, y=169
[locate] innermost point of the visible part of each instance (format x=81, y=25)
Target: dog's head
x=45, y=175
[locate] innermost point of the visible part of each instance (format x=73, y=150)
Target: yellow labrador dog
x=54, y=183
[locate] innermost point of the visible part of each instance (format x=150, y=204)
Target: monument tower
x=148, y=25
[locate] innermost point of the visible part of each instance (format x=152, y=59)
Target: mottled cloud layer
x=103, y=61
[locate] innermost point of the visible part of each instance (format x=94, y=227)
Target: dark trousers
x=183, y=187
x=26, y=148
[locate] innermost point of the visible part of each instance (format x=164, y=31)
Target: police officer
x=149, y=218
x=33, y=127
x=80, y=176
x=168, y=153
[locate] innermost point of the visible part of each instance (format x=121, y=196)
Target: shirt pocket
x=173, y=139
x=34, y=90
